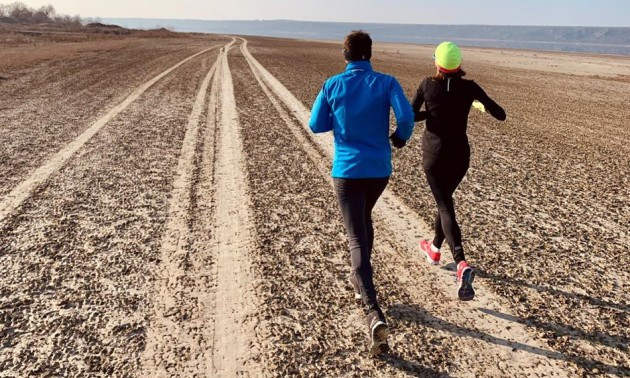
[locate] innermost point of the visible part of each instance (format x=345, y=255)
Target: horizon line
x=362, y=22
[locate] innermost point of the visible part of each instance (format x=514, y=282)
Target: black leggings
x=357, y=198
x=444, y=173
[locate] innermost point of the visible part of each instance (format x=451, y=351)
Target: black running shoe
x=355, y=285
x=378, y=331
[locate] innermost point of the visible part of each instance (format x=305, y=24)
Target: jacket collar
x=363, y=65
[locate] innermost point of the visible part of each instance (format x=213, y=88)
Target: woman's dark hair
x=439, y=75
x=357, y=46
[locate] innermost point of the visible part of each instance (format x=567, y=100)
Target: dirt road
x=190, y=229
x=197, y=329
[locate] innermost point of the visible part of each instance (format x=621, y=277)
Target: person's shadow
x=416, y=314
x=410, y=368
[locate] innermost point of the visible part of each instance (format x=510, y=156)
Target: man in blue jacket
x=355, y=106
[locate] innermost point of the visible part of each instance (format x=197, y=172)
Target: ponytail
x=439, y=75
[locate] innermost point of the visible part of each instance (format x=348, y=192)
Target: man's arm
x=402, y=111
x=321, y=118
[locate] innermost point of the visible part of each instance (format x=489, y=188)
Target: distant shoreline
x=432, y=46
x=594, y=40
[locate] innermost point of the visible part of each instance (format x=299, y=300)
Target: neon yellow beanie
x=448, y=57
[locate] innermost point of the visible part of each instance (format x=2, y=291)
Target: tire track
x=175, y=342
x=201, y=323
x=17, y=196
x=492, y=337
x=234, y=349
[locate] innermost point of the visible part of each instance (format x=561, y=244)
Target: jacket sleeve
x=402, y=110
x=492, y=107
x=321, y=117
x=416, y=104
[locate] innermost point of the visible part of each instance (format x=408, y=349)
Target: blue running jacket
x=355, y=106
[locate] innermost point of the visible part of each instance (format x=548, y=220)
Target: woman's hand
x=420, y=116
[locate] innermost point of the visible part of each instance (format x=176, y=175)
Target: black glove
x=420, y=116
x=397, y=142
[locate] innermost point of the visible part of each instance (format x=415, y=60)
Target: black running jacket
x=448, y=103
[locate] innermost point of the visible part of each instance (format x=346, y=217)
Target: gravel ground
x=78, y=260
x=43, y=107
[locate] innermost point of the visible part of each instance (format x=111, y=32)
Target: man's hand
x=396, y=141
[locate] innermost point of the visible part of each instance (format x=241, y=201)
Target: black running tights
x=357, y=198
x=444, y=173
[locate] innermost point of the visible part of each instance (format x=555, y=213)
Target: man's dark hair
x=357, y=46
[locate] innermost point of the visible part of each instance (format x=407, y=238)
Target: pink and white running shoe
x=432, y=257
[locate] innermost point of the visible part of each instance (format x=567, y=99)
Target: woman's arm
x=416, y=104
x=321, y=117
x=492, y=107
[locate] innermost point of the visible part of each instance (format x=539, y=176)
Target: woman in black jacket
x=446, y=152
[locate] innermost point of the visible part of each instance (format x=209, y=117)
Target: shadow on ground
x=592, y=300
x=416, y=314
x=410, y=368
x=617, y=342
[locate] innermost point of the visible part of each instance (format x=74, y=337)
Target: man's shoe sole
x=379, y=339
x=466, y=292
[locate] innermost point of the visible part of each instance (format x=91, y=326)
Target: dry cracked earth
x=164, y=212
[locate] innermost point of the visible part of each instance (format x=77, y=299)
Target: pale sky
x=492, y=12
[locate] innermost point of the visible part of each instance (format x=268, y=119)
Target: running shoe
x=355, y=286
x=465, y=277
x=378, y=331
x=432, y=257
